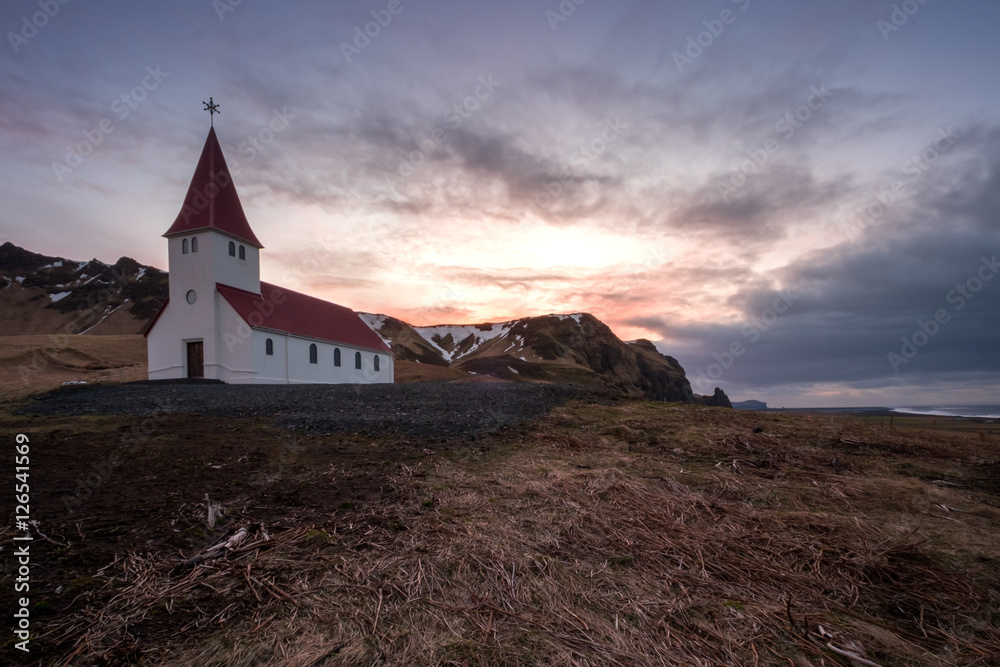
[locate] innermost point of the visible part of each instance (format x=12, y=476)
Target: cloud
x=857, y=303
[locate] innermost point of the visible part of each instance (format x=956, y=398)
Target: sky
x=797, y=199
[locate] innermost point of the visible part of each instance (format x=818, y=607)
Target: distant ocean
x=982, y=411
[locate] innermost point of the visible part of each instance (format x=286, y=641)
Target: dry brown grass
x=631, y=534
x=34, y=364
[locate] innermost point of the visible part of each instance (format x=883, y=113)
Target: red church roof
x=211, y=201
x=299, y=314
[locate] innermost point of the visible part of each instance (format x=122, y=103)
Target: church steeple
x=211, y=201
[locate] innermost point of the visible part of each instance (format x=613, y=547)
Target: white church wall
x=182, y=322
x=192, y=270
x=211, y=264
x=164, y=357
x=299, y=367
x=241, y=273
x=290, y=362
x=234, y=360
x=272, y=369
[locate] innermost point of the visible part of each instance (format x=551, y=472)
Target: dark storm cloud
x=928, y=293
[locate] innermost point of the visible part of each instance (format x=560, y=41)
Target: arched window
x=232, y=249
x=243, y=252
x=184, y=247
x=194, y=244
x=269, y=347
x=336, y=356
x=313, y=354
x=376, y=363
x=357, y=360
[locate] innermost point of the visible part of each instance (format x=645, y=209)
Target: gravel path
x=426, y=409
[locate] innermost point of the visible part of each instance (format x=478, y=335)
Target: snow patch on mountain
x=375, y=323
x=482, y=333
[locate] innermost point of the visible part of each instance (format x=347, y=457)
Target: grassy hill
x=34, y=364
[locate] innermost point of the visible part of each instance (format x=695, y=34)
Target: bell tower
x=209, y=243
x=211, y=240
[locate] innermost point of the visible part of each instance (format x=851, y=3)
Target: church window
x=269, y=347
x=184, y=247
x=313, y=354
x=232, y=249
x=336, y=356
x=357, y=360
x=376, y=363
x=194, y=244
x=243, y=252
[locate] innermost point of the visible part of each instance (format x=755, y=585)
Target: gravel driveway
x=426, y=409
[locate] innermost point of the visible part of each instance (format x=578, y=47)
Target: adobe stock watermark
x=752, y=331
x=915, y=167
x=316, y=258
x=31, y=26
x=372, y=29
x=122, y=106
x=929, y=328
x=255, y=143
x=86, y=315
x=714, y=28
x=223, y=7
x=585, y=154
x=564, y=10
x=786, y=127
x=899, y=17
x=453, y=118
x=642, y=276
x=102, y=471
x=263, y=309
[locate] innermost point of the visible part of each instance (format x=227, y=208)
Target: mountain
x=750, y=405
x=551, y=348
x=50, y=295
x=46, y=295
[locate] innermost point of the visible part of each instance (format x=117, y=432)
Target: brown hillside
x=35, y=364
x=552, y=348
x=53, y=295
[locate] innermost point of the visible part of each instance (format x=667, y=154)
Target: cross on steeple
x=212, y=108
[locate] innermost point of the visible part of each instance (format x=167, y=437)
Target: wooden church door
x=196, y=359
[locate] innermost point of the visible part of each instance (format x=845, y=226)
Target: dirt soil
x=608, y=532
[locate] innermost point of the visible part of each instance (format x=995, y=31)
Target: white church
x=222, y=322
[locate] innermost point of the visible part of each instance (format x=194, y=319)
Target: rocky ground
x=427, y=410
